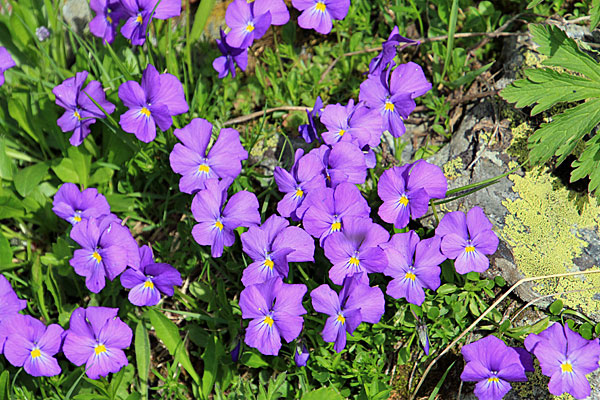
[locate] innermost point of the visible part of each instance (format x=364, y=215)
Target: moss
x=518, y=146
x=453, y=168
x=543, y=228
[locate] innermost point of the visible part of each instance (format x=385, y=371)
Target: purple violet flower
x=356, y=249
x=150, y=280
x=395, y=100
x=406, y=191
x=342, y=162
x=153, y=103
x=383, y=60
x=107, y=249
x=467, y=239
x=72, y=205
x=304, y=178
x=492, y=364
x=414, y=265
x=235, y=353
x=318, y=14
x=96, y=338
x=275, y=309
x=566, y=358
x=108, y=16
x=139, y=15
x=6, y=62
x=277, y=8
x=245, y=24
x=309, y=131
x=31, y=344
x=357, y=124
x=326, y=209
x=301, y=355
x=216, y=224
x=356, y=303
x=224, y=160
x=80, y=110
x=272, y=246
x=10, y=304
x=231, y=56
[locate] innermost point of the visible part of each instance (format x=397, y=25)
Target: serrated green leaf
x=563, y=51
x=27, y=179
x=560, y=136
x=324, y=393
x=547, y=87
x=168, y=332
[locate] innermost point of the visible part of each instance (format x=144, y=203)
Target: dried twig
x=258, y=114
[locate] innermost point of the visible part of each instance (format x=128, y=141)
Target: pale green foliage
x=574, y=76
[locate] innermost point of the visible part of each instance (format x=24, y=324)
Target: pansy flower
x=6, y=62
x=319, y=14
x=231, y=57
x=304, y=178
x=191, y=160
x=216, y=221
x=352, y=123
x=277, y=8
x=309, y=131
x=159, y=97
x=72, y=205
x=356, y=249
x=107, y=249
x=492, y=364
x=566, y=358
x=96, y=338
x=394, y=97
x=342, y=162
x=80, y=110
x=275, y=309
x=31, y=344
x=139, y=14
x=406, y=191
x=301, y=355
x=389, y=48
x=414, y=265
x=150, y=280
x=467, y=239
x=10, y=303
x=356, y=303
x=247, y=22
x=108, y=16
x=326, y=208
x=272, y=246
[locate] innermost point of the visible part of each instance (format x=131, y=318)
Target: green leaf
x=4, y=386
x=27, y=179
x=556, y=307
x=533, y=3
x=470, y=76
x=594, y=14
x=142, y=356
x=324, y=393
x=210, y=367
x=560, y=136
x=10, y=206
x=437, y=387
x=65, y=170
x=202, y=13
x=588, y=164
x=82, y=163
x=168, y=332
x=7, y=167
x=6, y=253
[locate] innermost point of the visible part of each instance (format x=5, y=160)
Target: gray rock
x=77, y=14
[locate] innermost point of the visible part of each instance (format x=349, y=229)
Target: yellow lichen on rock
x=543, y=228
x=453, y=168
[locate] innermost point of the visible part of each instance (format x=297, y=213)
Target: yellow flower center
x=493, y=379
x=77, y=218
x=149, y=284
x=354, y=261
x=336, y=226
x=99, y=349
x=139, y=19
x=269, y=321
x=403, y=200
x=340, y=318
x=35, y=353
x=249, y=27
x=566, y=367
x=469, y=249
x=299, y=193
x=204, y=168
x=97, y=257
x=320, y=6
x=219, y=225
x=269, y=263
x=145, y=111
x=109, y=19
x=77, y=115
x=389, y=106
x=341, y=132
x=410, y=275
